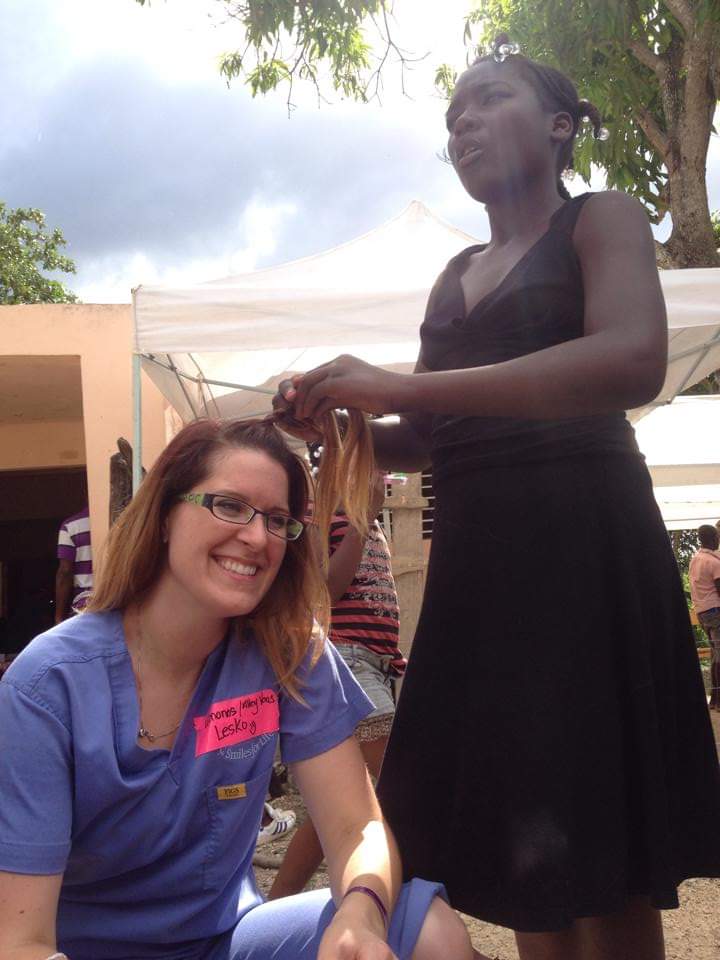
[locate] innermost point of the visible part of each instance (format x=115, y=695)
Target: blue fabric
x=154, y=860
x=291, y=929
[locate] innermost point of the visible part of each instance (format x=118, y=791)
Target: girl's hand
x=346, y=382
x=350, y=941
x=284, y=409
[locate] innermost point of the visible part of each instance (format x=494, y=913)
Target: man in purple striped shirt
x=74, y=578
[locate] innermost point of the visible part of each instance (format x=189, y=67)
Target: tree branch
x=684, y=13
x=653, y=131
x=644, y=55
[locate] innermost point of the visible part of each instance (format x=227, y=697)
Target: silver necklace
x=143, y=733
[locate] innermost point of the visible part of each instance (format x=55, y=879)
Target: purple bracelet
x=373, y=896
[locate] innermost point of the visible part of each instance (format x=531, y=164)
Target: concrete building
x=65, y=398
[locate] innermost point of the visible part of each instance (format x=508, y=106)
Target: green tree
x=652, y=67
x=286, y=40
x=26, y=248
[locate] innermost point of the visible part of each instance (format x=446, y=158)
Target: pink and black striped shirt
x=368, y=613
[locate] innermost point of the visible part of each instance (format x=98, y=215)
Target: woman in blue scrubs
x=136, y=740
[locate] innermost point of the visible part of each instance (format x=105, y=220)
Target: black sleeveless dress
x=552, y=752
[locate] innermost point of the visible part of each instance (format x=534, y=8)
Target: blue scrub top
x=155, y=845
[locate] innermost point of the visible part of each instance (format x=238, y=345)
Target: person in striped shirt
x=364, y=629
x=74, y=577
x=365, y=620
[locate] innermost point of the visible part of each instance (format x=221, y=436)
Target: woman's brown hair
x=294, y=613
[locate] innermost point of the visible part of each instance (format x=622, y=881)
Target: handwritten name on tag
x=236, y=720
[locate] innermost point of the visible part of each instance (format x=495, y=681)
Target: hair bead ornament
x=505, y=50
x=591, y=113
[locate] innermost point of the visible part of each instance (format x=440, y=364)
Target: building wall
x=38, y=445
x=101, y=335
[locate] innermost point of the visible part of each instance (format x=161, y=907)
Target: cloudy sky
x=118, y=126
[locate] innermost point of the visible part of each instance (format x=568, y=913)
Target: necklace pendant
x=145, y=734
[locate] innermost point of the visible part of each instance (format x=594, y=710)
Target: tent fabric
x=366, y=297
x=370, y=290
x=681, y=443
x=686, y=508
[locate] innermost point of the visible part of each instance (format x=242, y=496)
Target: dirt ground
x=691, y=933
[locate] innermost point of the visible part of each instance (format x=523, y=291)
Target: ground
x=691, y=933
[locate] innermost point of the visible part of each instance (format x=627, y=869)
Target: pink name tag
x=235, y=720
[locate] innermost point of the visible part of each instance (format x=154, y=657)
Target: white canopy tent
x=222, y=347
x=681, y=443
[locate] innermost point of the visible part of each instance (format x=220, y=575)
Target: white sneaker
x=281, y=823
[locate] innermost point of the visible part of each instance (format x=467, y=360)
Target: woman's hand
x=349, y=383
x=346, y=939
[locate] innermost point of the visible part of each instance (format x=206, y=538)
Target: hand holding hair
x=348, y=464
x=346, y=383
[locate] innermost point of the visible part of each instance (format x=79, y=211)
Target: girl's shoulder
x=602, y=205
x=610, y=219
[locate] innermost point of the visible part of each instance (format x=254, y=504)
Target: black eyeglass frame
x=207, y=500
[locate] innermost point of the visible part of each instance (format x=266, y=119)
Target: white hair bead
x=506, y=50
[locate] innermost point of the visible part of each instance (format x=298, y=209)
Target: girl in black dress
x=552, y=760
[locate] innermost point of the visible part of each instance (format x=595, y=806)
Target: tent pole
x=137, y=423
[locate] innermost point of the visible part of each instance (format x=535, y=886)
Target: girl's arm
x=358, y=845
x=346, y=557
x=344, y=562
x=619, y=363
x=28, y=911
x=402, y=443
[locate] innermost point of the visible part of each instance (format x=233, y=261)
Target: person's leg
x=302, y=858
x=444, y=936
x=562, y=945
x=373, y=752
x=634, y=933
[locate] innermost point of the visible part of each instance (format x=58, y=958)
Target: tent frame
x=201, y=380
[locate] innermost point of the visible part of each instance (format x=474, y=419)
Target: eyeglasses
x=237, y=511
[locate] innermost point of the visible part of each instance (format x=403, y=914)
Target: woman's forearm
x=369, y=860
x=583, y=377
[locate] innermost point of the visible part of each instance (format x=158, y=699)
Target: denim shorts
x=372, y=672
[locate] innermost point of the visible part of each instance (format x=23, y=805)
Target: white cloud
x=119, y=126
x=259, y=229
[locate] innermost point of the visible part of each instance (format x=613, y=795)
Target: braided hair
x=556, y=92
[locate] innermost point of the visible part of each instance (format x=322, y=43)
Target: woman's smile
x=236, y=568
